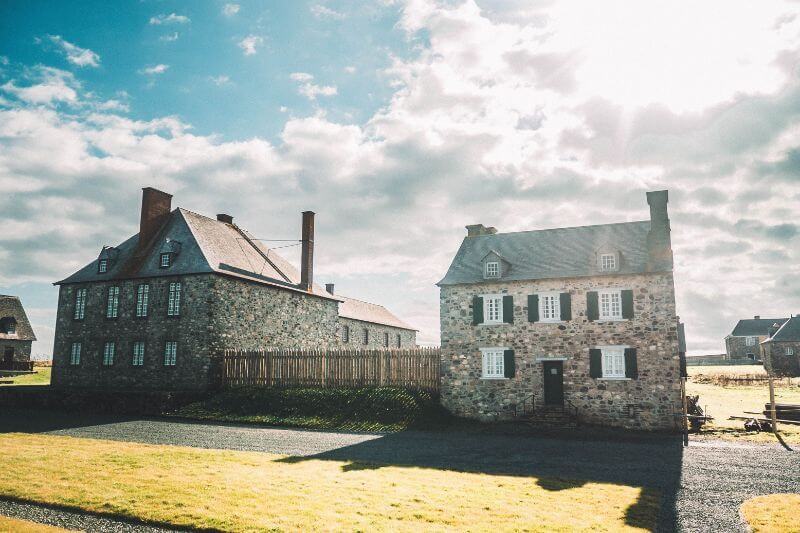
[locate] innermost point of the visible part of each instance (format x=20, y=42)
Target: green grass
x=249, y=491
x=41, y=377
x=367, y=409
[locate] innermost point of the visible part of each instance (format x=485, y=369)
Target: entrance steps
x=551, y=416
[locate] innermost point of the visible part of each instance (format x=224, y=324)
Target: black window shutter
x=508, y=309
x=565, y=301
x=595, y=363
x=631, y=365
x=509, y=364
x=627, y=304
x=477, y=310
x=592, y=308
x=533, y=308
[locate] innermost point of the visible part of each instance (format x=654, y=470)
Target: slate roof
x=553, y=253
x=12, y=306
x=755, y=327
x=207, y=246
x=789, y=331
x=369, y=312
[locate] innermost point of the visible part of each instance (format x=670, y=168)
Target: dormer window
x=165, y=261
x=102, y=266
x=492, y=269
x=168, y=252
x=106, y=259
x=608, y=261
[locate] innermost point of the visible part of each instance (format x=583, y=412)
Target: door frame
x=546, y=365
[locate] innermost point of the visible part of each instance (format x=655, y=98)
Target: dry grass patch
x=774, y=513
x=248, y=491
x=24, y=526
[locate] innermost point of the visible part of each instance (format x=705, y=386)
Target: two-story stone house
x=154, y=311
x=581, y=316
x=16, y=335
x=780, y=350
x=745, y=339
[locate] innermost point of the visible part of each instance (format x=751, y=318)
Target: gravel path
x=703, y=485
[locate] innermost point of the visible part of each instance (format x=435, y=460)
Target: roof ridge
x=362, y=301
x=564, y=228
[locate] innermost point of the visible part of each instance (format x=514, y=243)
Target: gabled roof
x=369, y=312
x=755, y=327
x=788, y=332
x=207, y=246
x=11, y=306
x=552, y=253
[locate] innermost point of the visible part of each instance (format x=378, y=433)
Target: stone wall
x=737, y=348
x=408, y=339
x=782, y=364
x=649, y=402
x=22, y=349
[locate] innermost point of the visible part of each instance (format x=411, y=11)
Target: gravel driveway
x=703, y=485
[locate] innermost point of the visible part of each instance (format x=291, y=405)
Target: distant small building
x=781, y=348
x=16, y=335
x=745, y=339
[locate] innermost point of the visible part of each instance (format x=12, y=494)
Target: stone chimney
x=307, y=253
x=156, y=206
x=659, y=245
x=222, y=217
x=757, y=317
x=476, y=230
x=329, y=287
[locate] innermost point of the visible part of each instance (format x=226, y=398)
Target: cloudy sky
x=399, y=123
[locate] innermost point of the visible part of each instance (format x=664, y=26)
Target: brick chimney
x=757, y=317
x=476, y=230
x=329, y=287
x=659, y=245
x=156, y=206
x=307, y=254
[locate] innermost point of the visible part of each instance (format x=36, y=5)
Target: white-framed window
x=102, y=266
x=386, y=340
x=366, y=336
x=789, y=350
x=142, y=299
x=492, y=269
x=613, y=361
x=550, y=307
x=346, y=334
x=610, y=304
x=165, y=261
x=112, y=306
x=75, y=354
x=80, y=304
x=493, y=309
x=174, y=301
x=170, y=353
x=493, y=361
x=608, y=261
x=138, y=353
x=109, y=349
x=750, y=341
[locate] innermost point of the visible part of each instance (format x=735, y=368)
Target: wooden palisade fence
x=416, y=368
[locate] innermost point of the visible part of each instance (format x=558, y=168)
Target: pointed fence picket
x=416, y=368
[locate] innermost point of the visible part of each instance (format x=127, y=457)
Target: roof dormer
x=494, y=266
x=168, y=252
x=608, y=258
x=108, y=256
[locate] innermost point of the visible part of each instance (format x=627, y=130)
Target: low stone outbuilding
x=16, y=335
x=743, y=342
x=781, y=349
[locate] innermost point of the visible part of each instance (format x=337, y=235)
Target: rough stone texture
x=20, y=341
x=217, y=313
x=649, y=402
x=408, y=338
x=782, y=364
x=737, y=348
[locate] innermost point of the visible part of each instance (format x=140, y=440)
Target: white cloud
x=350, y=69
x=81, y=57
x=250, y=43
x=170, y=37
x=112, y=105
x=311, y=90
x=48, y=86
x=172, y=18
x=321, y=11
x=155, y=69
x=220, y=80
x=4, y=60
x=230, y=10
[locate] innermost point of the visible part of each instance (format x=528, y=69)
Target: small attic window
x=165, y=261
x=102, y=266
x=167, y=253
x=491, y=269
x=106, y=258
x=8, y=325
x=608, y=261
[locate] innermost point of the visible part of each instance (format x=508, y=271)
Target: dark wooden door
x=554, y=383
x=8, y=358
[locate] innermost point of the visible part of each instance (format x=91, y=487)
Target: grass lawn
x=41, y=377
x=24, y=526
x=249, y=491
x=723, y=402
x=773, y=513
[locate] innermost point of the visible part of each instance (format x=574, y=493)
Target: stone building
x=154, y=311
x=745, y=339
x=16, y=335
x=564, y=319
x=780, y=350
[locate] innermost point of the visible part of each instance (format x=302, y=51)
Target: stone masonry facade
x=784, y=357
x=650, y=401
x=737, y=348
x=17, y=345
x=376, y=335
